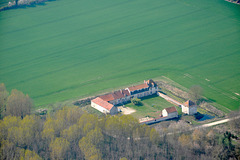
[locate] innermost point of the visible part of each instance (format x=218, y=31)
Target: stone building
x=170, y=112
x=104, y=106
x=123, y=96
x=189, y=107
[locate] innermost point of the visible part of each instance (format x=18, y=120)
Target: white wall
x=164, y=113
x=185, y=109
x=189, y=110
x=100, y=108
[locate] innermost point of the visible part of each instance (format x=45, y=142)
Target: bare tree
x=195, y=93
x=235, y=124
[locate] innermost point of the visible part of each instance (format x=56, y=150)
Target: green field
x=151, y=106
x=71, y=49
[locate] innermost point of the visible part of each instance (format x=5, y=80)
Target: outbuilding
x=104, y=106
x=189, y=107
x=170, y=112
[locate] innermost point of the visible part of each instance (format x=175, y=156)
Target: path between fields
x=169, y=99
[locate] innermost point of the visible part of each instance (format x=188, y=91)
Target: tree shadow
x=138, y=104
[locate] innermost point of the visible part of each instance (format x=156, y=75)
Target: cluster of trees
x=25, y=2
x=15, y=104
x=71, y=133
x=213, y=143
x=12, y=4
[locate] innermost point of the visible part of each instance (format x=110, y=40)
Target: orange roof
x=115, y=95
x=107, y=97
x=189, y=103
x=138, y=87
x=171, y=109
x=102, y=103
x=125, y=92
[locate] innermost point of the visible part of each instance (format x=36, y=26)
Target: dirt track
x=217, y=122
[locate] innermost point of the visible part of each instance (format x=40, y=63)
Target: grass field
x=71, y=49
x=151, y=106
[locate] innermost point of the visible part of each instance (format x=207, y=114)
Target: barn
x=170, y=112
x=104, y=106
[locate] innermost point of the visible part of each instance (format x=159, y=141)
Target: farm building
x=170, y=112
x=147, y=88
x=117, y=97
x=167, y=113
x=104, y=106
x=189, y=107
x=104, y=102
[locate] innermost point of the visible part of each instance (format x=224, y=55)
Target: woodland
x=71, y=133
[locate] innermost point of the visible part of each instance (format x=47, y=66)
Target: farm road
x=217, y=122
x=208, y=125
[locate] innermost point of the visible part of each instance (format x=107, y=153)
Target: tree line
x=71, y=133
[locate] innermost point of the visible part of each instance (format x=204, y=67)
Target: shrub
x=136, y=101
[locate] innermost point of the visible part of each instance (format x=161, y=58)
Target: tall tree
x=195, y=93
x=59, y=148
x=30, y=155
x=18, y=104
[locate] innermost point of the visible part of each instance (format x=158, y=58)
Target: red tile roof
x=138, y=87
x=115, y=95
x=189, y=103
x=171, y=109
x=102, y=103
x=118, y=94
x=107, y=97
x=125, y=92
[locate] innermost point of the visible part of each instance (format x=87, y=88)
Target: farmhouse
x=107, y=103
x=147, y=88
x=170, y=112
x=117, y=97
x=189, y=107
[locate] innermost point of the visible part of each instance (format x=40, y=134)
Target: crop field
x=68, y=49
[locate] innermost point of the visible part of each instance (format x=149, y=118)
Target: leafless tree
x=195, y=93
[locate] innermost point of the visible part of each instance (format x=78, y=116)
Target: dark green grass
x=70, y=49
x=150, y=106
